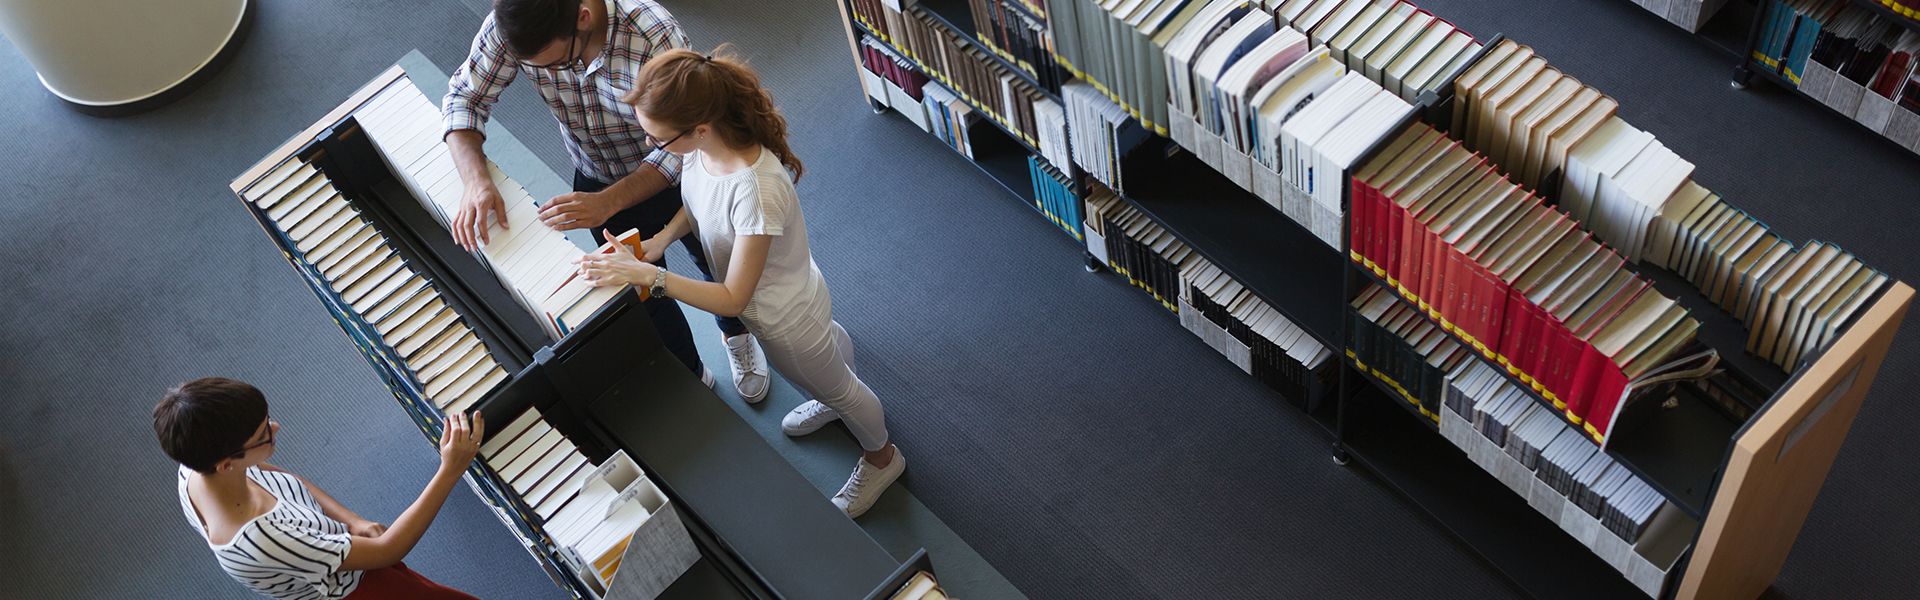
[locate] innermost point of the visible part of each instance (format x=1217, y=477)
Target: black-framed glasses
x=260, y=444
x=572, y=58
x=655, y=140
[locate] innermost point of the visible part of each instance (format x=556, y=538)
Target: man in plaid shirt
x=584, y=55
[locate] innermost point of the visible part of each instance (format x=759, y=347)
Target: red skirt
x=401, y=583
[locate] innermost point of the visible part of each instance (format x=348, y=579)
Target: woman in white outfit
x=737, y=181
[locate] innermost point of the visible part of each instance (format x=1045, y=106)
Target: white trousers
x=817, y=356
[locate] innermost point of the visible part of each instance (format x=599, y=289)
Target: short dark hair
x=204, y=421
x=528, y=26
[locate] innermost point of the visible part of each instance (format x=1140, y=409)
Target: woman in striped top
x=276, y=532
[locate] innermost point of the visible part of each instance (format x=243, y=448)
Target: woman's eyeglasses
x=655, y=140
x=260, y=444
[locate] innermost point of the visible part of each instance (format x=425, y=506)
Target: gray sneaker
x=749, y=369
x=867, y=484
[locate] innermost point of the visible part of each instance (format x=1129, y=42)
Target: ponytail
x=683, y=89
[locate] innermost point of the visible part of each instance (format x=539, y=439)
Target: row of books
x=1136, y=247
x=1523, y=114
x=1799, y=308
x=1254, y=336
x=1117, y=48
x=1637, y=195
x=1279, y=119
x=1392, y=341
x=1053, y=195
x=596, y=516
x=950, y=118
x=1402, y=47
x=1860, y=63
x=1907, y=8
x=1596, y=499
x=1721, y=250
x=885, y=18
x=1018, y=36
x=993, y=89
x=1513, y=277
x=1101, y=133
x=1690, y=15
x=892, y=80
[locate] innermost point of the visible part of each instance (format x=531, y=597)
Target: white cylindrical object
x=105, y=53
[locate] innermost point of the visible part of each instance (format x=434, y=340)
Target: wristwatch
x=659, y=287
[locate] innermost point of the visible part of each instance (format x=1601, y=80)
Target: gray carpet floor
x=1061, y=423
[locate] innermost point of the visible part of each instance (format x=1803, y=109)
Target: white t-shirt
x=292, y=551
x=758, y=201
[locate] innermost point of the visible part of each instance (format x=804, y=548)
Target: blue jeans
x=650, y=217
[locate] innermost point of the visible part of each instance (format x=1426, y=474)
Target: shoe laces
x=858, y=481
x=741, y=353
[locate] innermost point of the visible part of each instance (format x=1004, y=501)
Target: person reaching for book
x=737, y=179
x=277, y=533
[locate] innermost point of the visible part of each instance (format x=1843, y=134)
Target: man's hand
x=366, y=529
x=478, y=209
x=577, y=210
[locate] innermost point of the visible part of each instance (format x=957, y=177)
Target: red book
x=1356, y=217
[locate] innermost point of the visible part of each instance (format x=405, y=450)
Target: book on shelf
x=1593, y=497
x=1017, y=36
x=1253, y=335
x=1690, y=15
x=1799, y=308
x=952, y=118
x=1053, y=194
x=892, y=80
x=1859, y=62
x=1136, y=247
x=993, y=90
x=1395, y=344
x=1101, y=134
x=1511, y=276
x=1402, y=47
x=922, y=586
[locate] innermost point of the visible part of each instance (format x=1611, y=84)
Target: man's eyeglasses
x=260, y=444
x=572, y=58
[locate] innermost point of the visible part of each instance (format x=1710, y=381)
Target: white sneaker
x=807, y=418
x=706, y=376
x=749, y=369
x=867, y=484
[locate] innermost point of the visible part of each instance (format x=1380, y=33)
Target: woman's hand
x=654, y=247
x=460, y=440
x=619, y=267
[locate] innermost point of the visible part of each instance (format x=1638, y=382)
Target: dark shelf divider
x=1283, y=263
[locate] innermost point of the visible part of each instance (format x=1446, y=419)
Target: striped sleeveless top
x=293, y=552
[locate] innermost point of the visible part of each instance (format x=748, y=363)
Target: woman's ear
x=225, y=464
x=585, y=19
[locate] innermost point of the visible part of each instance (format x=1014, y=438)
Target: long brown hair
x=684, y=89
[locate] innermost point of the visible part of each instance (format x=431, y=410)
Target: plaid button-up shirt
x=603, y=136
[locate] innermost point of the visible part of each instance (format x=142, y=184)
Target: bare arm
x=728, y=298
x=655, y=247
x=458, y=445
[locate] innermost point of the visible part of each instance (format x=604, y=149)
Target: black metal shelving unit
x=1746, y=67
x=1680, y=451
